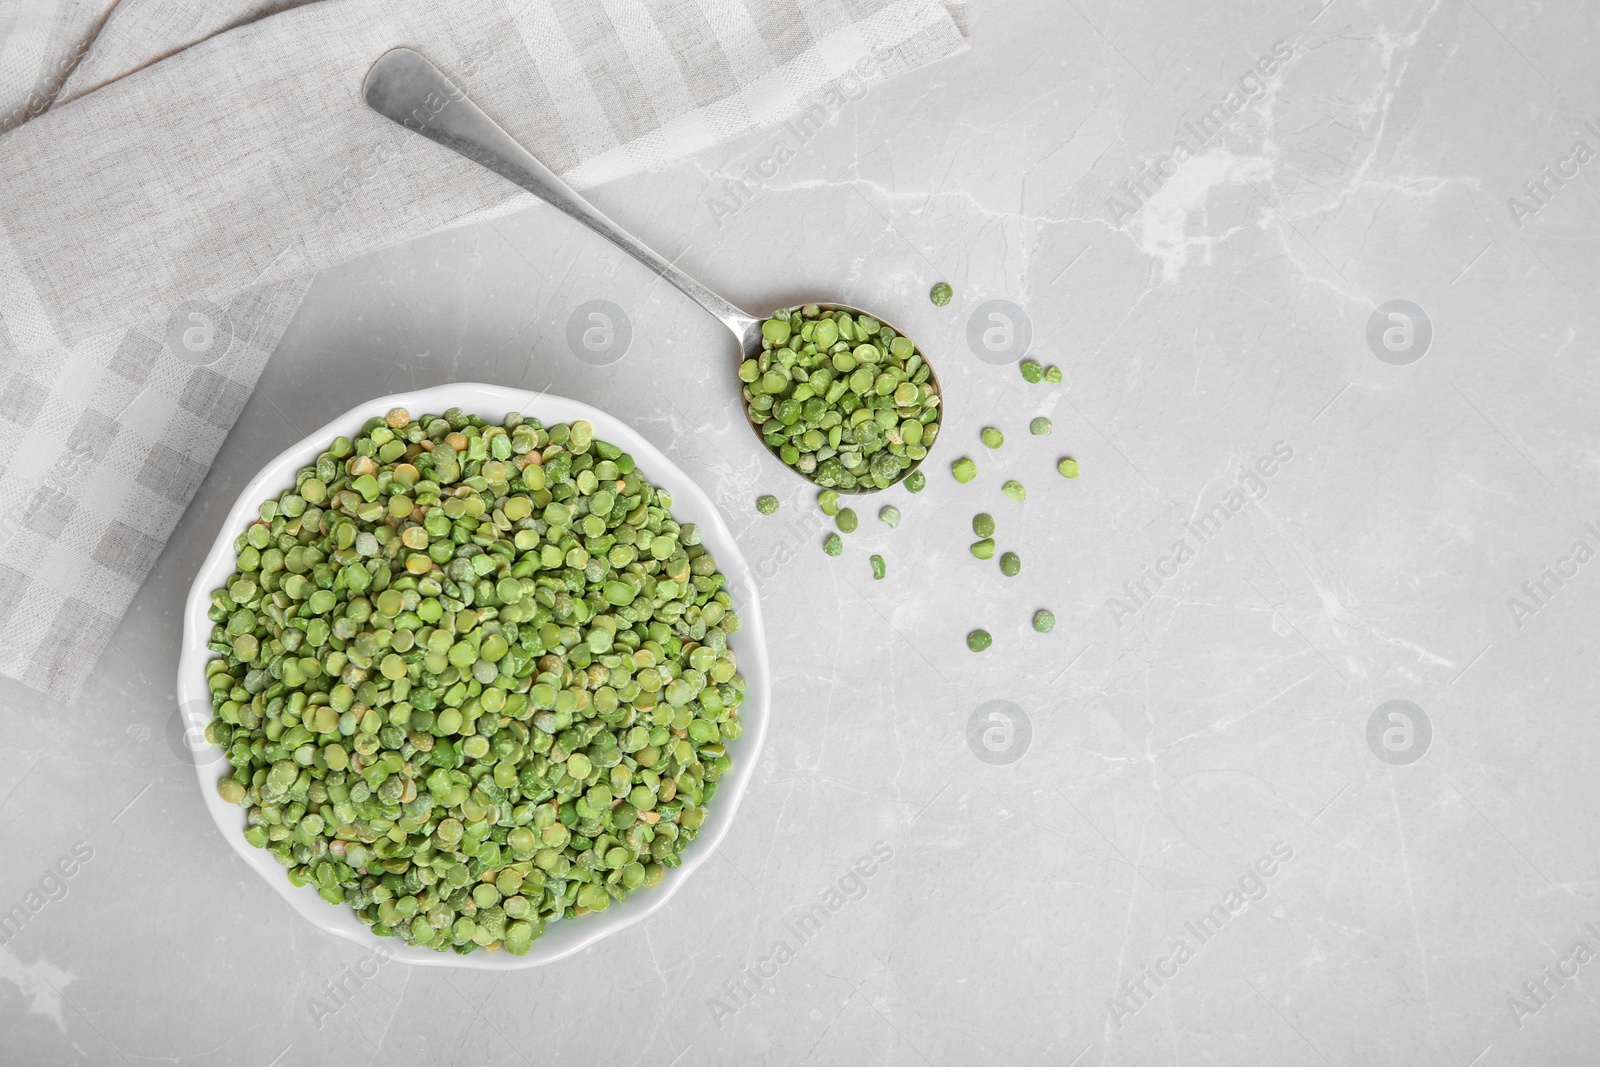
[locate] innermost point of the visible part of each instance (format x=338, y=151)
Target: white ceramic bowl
x=689, y=504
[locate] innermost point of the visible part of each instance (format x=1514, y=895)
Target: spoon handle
x=405, y=87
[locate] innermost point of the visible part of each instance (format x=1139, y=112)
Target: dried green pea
x=889, y=515
x=1010, y=564
x=964, y=470
x=1039, y=426
x=1014, y=490
x=983, y=524
x=767, y=504
x=422, y=589
x=940, y=294
x=1044, y=621
x=808, y=393
x=1068, y=467
x=846, y=520
x=878, y=568
x=983, y=549
x=1052, y=374
x=832, y=545
x=992, y=438
x=1032, y=371
x=978, y=640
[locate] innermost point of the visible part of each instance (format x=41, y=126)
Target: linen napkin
x=176, y=170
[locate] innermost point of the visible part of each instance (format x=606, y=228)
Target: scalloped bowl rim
x=690, y=502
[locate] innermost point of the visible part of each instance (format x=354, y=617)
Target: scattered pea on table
x=992, y=438
x=915, y=481
x=1014, y=489
x=1039, y=426
x=889, y=515
x=1010, y=564
x=1068, y=467
x=1044, y=621
x=846, y=520
x=832, y=545
x=828, y=501
x=978, y=640
x=983, y=549
x=1052, y=374
x=983, y=524
x=1032, y=371
x=964, y=470
x=940, y=294
x=878, y=568
x=767, y=504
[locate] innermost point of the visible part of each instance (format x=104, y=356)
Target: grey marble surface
x=1380, y=890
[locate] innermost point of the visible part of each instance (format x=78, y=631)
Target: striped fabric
x=159, y=222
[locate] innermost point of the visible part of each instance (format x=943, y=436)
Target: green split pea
x=471, y=679
x=841, y=398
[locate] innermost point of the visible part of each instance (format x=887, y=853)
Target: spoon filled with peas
x=839, y=395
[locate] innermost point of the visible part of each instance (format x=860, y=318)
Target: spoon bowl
x=406, y=88
x=751, y=347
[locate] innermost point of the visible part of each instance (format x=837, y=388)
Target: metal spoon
x=405, y=87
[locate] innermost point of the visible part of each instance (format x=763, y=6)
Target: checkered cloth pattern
x=175, y=171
